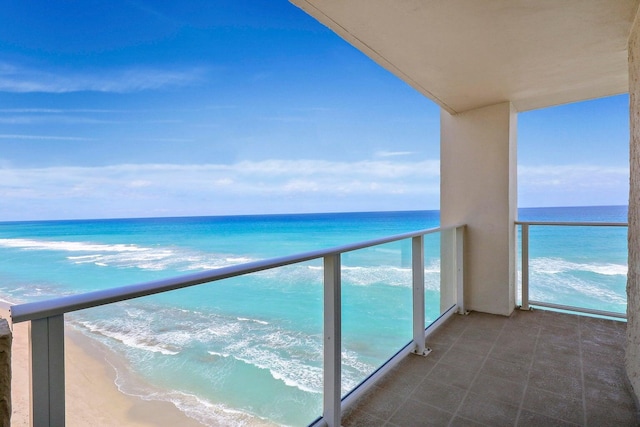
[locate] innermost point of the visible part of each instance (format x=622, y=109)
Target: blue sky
x=134, y=108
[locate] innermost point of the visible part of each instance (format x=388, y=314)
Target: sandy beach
x=92, y=397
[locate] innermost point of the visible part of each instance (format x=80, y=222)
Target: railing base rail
x=579, y=309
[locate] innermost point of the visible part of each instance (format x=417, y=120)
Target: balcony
x=534, y=368
x=531, y=368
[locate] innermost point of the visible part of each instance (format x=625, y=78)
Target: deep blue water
x=248, y=351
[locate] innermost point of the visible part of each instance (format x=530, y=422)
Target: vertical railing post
x=332, y=341
x=459, y=268
x=417, y=265
x=47, y=372
x=525, y=267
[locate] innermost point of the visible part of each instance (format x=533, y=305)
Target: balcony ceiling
x=465, y=54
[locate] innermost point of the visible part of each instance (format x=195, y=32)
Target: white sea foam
x=202, y=410
x=291, y=357
x=163, y=259
x=352, y=360
x=203, y=266
x=292, y=372
x=216, y=353
x=30, y=244
x=560, y=281
x=380, y=275
x=433, y=268
x=383, y=275
x=222, y=330
x=562, y=287
x=244, y=319
x=130, y=255
x=298, y=373
x=389, y=276
x=238, y=260
x=28, y=292
x=130, y=338
x=558, y=265
x=214, y=414
x=288, y=356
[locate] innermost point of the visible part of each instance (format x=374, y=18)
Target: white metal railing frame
x=47, y=320
x=526, y=301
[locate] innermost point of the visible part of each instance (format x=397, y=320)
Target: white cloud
x=274, y=186
x=59, y=110
x=245, y=187
x=572, y=175
x=377, y=169
x=393, y=153
x=57, y=119
x=572, y=185
x=24, y=80
x=139, y=183
x=44, y=137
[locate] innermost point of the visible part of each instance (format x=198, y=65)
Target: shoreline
x=92, y=396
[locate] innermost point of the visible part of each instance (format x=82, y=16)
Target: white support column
x=478, y=188
x=332, y=341
x=47, y=372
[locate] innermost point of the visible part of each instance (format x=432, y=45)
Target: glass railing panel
x=432, y=293
x=580, y=266
x=450, y=255
x=376, y=308
x=235, y=352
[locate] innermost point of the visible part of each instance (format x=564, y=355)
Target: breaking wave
x=122, y=255
x=559, y=265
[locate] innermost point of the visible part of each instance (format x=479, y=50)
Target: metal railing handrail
x=575, y=224
x=526, y=301
x=56, y=306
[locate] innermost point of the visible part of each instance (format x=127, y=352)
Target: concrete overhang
x=466, y=54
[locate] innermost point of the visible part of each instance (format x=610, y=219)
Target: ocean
x=248, y=350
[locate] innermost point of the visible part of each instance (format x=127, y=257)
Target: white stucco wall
x=632, y=356
x=478, y=188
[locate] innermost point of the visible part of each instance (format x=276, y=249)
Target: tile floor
x=535, y=368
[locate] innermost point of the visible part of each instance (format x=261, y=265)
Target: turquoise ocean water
x=248, y=351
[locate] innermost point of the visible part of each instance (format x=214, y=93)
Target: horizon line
x=282, y=214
